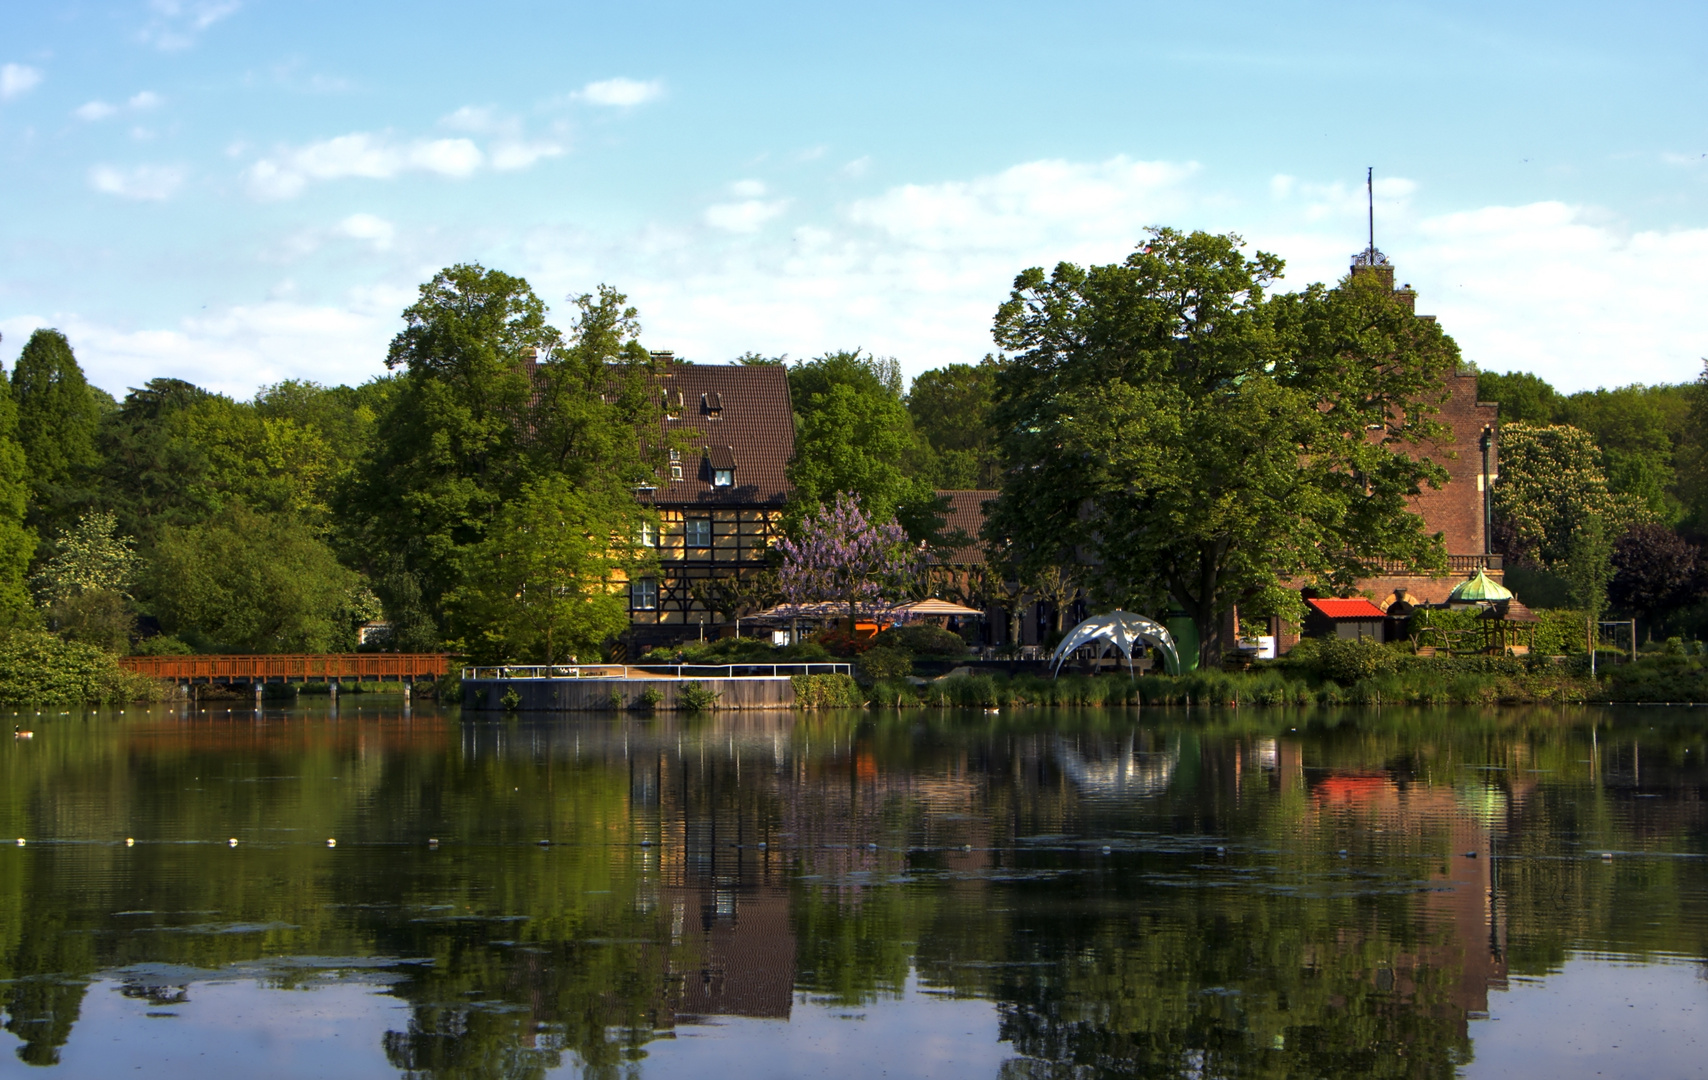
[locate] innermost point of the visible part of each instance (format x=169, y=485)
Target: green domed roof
x=1480, y=589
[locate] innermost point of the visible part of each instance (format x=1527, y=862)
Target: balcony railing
x=1456, y=565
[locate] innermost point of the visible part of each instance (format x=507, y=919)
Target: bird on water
x=20, y=733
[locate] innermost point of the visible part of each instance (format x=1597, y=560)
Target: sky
x=236, y=192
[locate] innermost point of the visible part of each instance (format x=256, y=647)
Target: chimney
x=663, y=357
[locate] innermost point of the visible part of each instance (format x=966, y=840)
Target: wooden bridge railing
x=293, y=667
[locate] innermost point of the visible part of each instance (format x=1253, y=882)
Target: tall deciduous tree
x=1654, y=571
x=242, y=581
x=854, y=436
x=451, y=443
x=1197, y=439
x=951, y=410
x=545, y=581
x=1551, y=482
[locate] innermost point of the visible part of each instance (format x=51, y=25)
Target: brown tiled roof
x=735, y=413
x=966, y=513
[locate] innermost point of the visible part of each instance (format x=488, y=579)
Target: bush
x=37, y=668
x=1350, y=660
x=882, y=662
x=841, y=643
x=696, y=697
x=924, y=639
x=826, y=692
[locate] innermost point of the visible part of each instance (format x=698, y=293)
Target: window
x=647, y=537
x=643, y=594
x=723, y=477
x=699, y=532
x=675, y=472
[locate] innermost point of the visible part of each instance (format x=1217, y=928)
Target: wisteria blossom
x=843, y=557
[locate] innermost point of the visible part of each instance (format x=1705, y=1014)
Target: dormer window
x=720, y=466
x=712, y=405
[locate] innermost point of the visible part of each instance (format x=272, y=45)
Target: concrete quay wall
x=596, y=695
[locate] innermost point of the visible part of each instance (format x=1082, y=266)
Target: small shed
x=1351, y=619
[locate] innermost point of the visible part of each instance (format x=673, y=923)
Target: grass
x=1417, y=683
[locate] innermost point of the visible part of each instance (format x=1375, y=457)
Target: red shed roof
x=1348, y=609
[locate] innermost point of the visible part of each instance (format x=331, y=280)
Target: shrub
x=826, y=692
x=924, y=639
x=1349, y=660
x=841, y=643
x=696, y=697
x=892, y=694
x=651, y=697
x=38, y=668
x=883, y=662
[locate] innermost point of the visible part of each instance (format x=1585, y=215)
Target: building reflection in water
x=1151, y=897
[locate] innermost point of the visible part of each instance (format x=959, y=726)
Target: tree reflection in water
x=1155, y=894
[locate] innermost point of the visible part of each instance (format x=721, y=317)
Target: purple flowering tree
x=843, y=557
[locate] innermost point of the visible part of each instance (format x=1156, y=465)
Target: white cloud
x=509, y=147
x=1033, y=206
x=743, y=217
x=141, y=101
x=375, y=230
x=145, y=182
x=17, y=80
x=747, y=189
x=917, y=270
x=177, y=23
x=620, y=92
x=240, y=348
x=359, y=155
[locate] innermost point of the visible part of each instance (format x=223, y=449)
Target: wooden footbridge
x=330, y=668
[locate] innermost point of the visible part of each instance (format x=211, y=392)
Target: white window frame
x=692, y=526
x=643, y=594
x=723, y=477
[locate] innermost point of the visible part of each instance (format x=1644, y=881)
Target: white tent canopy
x=1123, y=630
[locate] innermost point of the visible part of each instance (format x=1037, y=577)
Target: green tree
x=243, y=581
x=57, y=419
x=545, y=581
x=853, y=436
x=451, y=441
x=951, y=411
x=1190, y=437
x=17, y=540
x=1523, y=398
x=1637, y=430
x=1550, y=484
x=596, y=417
x=85, y=583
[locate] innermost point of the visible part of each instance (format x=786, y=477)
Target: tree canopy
x=1196, y=440
x=57, y=418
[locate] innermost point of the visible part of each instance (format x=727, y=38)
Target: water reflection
x=1084, y=893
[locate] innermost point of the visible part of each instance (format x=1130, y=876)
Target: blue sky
x=240, y=191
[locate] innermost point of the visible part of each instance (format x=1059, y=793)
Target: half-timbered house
x=721, y=496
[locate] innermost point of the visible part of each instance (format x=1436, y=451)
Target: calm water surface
x=936, y=894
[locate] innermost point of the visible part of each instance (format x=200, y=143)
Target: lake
x=1025, y=895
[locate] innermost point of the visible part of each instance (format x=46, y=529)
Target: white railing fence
x=643, y=671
